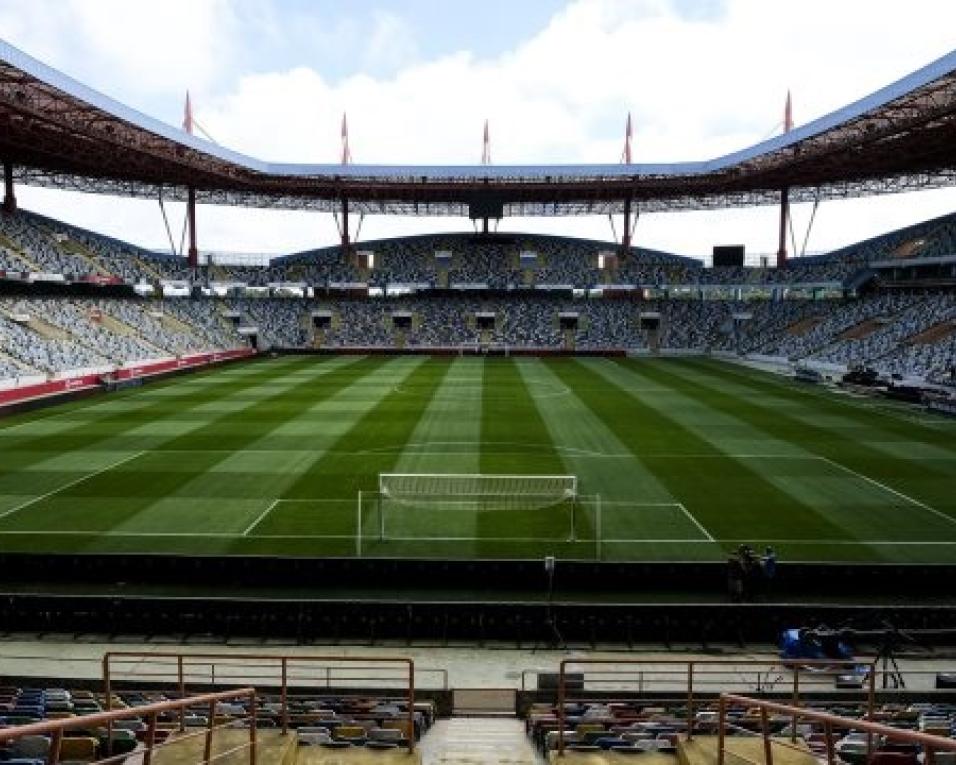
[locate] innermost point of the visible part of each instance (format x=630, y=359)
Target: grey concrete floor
x=453, y=666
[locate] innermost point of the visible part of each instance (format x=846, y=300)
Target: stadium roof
x=61, y=133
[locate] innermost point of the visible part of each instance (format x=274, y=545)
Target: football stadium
x=474, y=494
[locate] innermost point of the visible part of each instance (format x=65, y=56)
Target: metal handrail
x=283, y=666
x=884, y=677
x=928, y=741
x=245, y=675
x=56, y=728
x=647, y=677
x=690, y=667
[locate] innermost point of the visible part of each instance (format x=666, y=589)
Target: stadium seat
x=79, y=748
x=30, y=747
x=313, y=736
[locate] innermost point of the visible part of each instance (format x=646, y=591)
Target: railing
x=692, y=674
x=280, y=673
x=55, y=729
x=662, y=680
x=929, y=742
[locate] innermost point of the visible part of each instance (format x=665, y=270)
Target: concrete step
x=493, y=740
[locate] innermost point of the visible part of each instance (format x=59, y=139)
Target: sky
x=555, y=79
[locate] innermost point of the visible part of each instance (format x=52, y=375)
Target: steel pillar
x=191, y=224
x=785, y=192
x=626, y=239
x=346, y=242
x=784, y=219
x=9, y=199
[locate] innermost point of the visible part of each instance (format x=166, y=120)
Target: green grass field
x=689, y=458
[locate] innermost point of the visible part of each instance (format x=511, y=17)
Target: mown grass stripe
x=724, y=493
x=235, y=489
x=509, y=416
x=112, y=498
x=338, y=474
x=97, y=429
x=27, y=469
x=863, y=507
x=91, y=407
x=927, y=481
x=633, y=503
x=874, y=419
x=451, y=421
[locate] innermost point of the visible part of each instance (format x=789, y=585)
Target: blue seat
x=607, y=742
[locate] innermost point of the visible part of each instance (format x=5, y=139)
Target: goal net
x=435, y=486
x=460, y=507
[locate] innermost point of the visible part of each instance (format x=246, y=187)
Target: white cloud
x=391, y=42
x=130, y=49
x=698, y=84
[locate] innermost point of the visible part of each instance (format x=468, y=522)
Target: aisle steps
x=478, y=741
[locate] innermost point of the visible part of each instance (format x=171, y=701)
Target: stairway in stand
x=478, y=741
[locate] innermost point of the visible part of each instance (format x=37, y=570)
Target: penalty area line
x=890, y=490
x=260, y=518
x=693, y=519
x=276, y=502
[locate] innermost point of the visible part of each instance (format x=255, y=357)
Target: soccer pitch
x=675, y=459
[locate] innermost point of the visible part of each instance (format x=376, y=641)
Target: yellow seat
x=78, y=748
x=349, y=731
x=404, y=726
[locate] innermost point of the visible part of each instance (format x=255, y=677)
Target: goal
x=458, y=507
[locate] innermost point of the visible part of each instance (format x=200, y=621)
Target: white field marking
x=569, y=449
x=891, y=490
x=562, y=540
x=441, y=502
x=316, y=501
x=416, y=502
x=476, y=448
x=260, y=518
x=628, y=503
x=589, y=541
x=171, y=534
x=809, y=542
x=79, y=480
x=563, y=391
x=697, y=523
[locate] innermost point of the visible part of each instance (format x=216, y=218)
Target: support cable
x=813, y=215
x=169, y=231
x=610, y=219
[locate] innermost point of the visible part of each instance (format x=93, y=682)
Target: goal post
x=450, y=507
